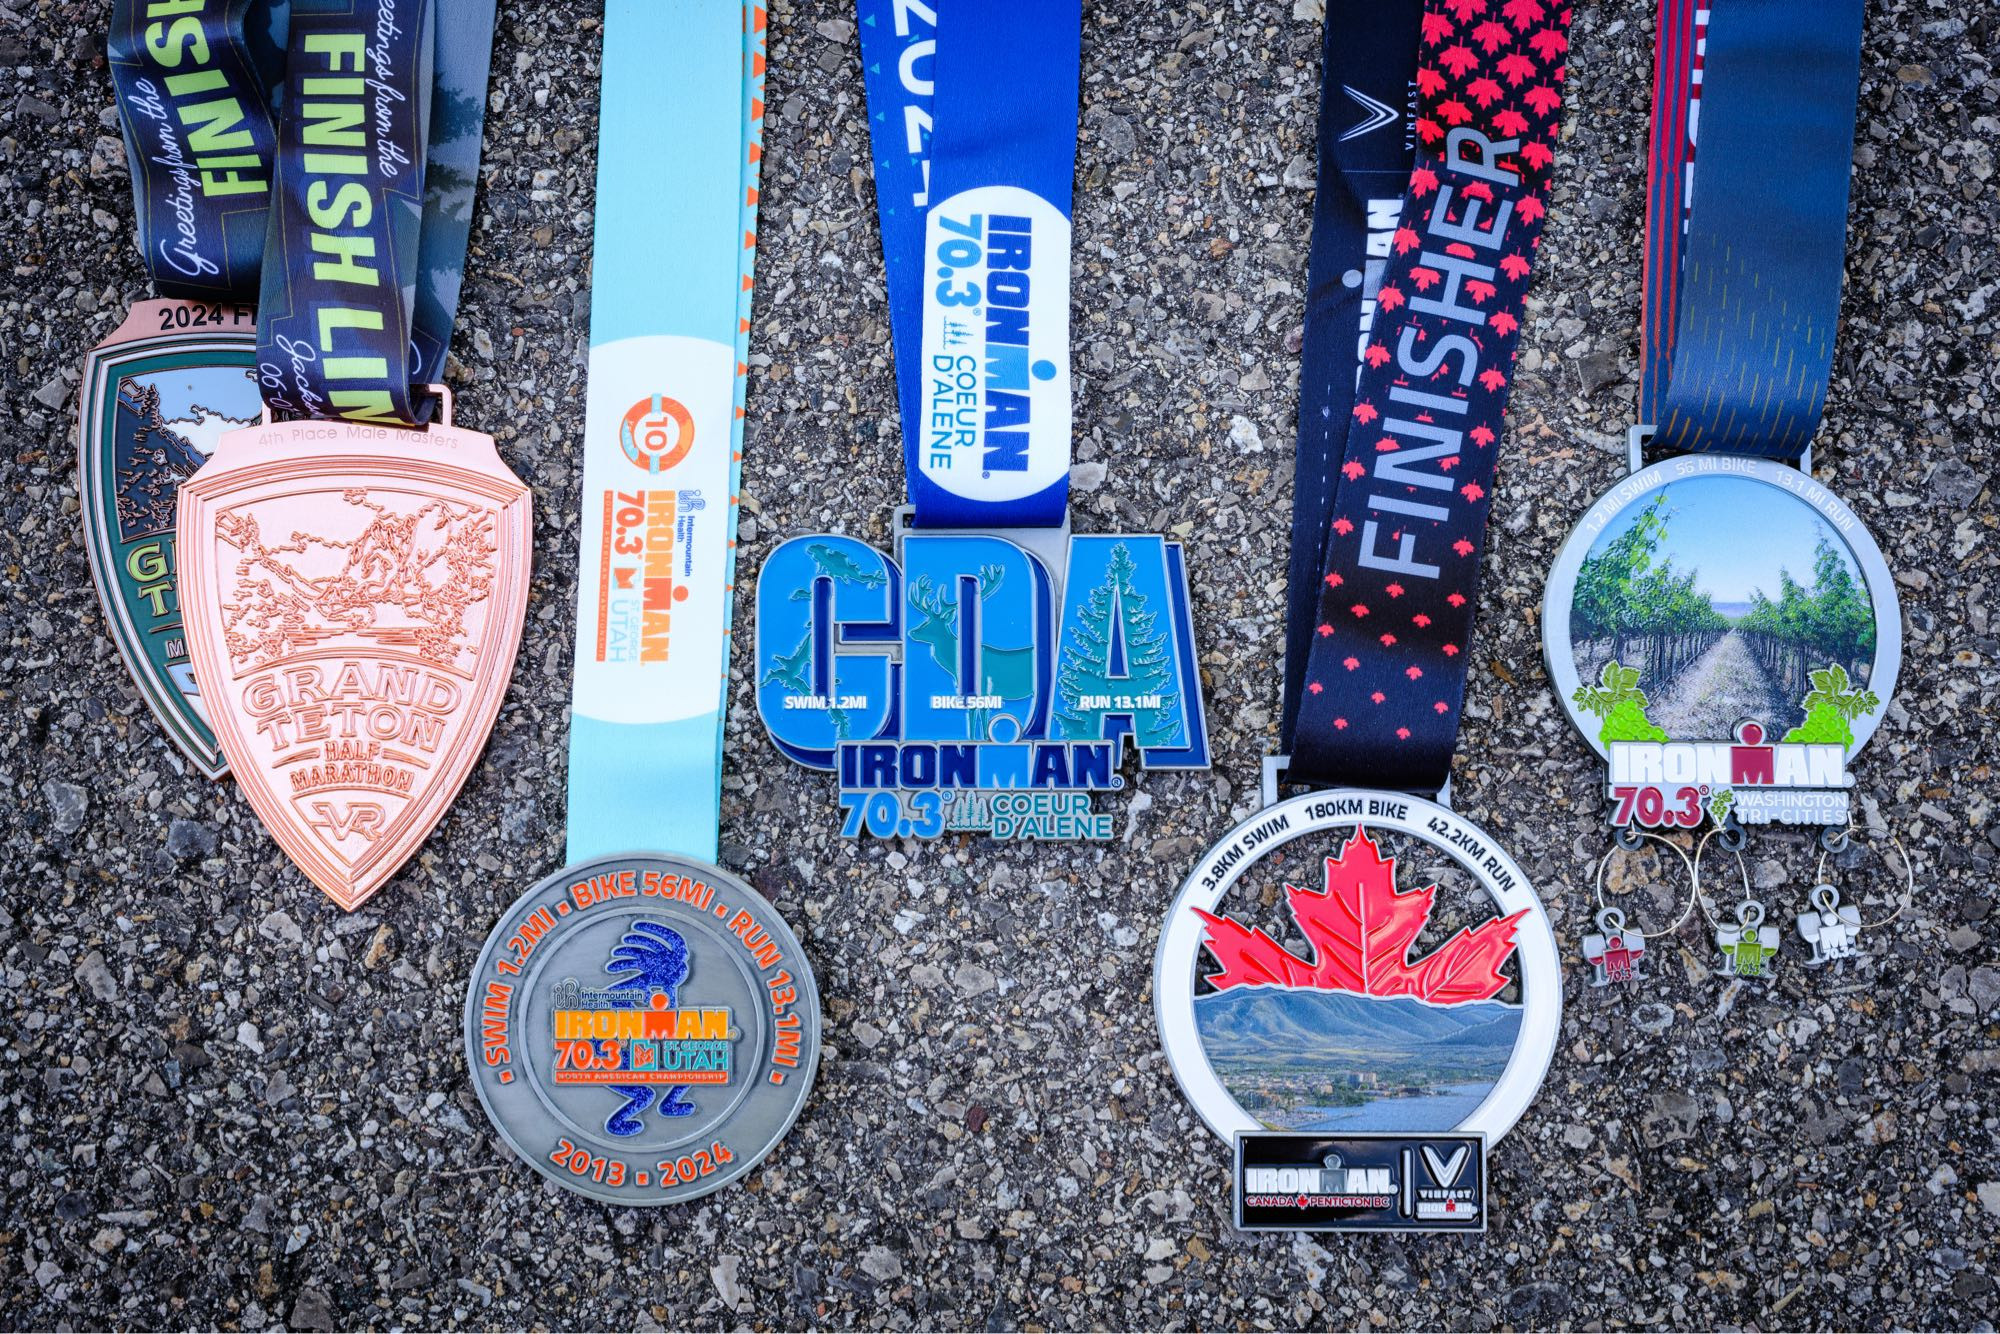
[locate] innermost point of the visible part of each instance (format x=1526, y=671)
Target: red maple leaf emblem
x=1483, y=435
x=1362, y=932
x=1472, y=490
x=1479, y=291
x=1377, y=354
x=1523, y=14
x=1359, y=609
x=1388, y=298
x=1420, y=620
x=1442, y=707
x=1424, y=278
x=1462, y=547
x=1436, y=28
x=1458, y=58
x=1423, y=181
x=1483, y=91
x=1413, y=672
x=1325, y=630
x=1454, y=112
x=1352, y=470
x=1492, y=36
x=1334, y=581
x=1388, y=641
x=1539, y=156
x=1543, y=99
x=1465, y=9
x=1365, y=412
x=1494, y=379
x=1350, y=663
x=1510, y=122
x=1531, y=208
x=1394, y=590
x=1514, y=266
x=1515, y=67
x=1549, y=43
x=1343, y=526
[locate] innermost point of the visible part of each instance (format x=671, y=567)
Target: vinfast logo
x=995, y=395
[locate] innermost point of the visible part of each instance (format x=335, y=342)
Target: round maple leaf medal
x=1353, y=960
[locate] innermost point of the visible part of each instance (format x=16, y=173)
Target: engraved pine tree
x=405, y=579
x=1362, y=931
x=1119, y=649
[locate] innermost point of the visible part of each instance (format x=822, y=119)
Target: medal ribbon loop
x=378, y=153
x=1384, y=681
x=1739, y=333
x=195, y=94
x=972, y=114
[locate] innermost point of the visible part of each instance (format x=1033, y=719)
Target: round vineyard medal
x=642, y=1029
x=1421, y=1007
x=1725, y=632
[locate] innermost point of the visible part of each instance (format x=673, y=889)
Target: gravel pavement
x=226, y=1103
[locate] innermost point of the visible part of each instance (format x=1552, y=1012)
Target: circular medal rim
x=1560, y=590
x=807, y=1077
x=1541, y=1019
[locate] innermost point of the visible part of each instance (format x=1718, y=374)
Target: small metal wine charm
x=1832, y=928
x=1614, y=950
x=1749, y=946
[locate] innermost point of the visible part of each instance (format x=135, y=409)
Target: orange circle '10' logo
x=657, y=433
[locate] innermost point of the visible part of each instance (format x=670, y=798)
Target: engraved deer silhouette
x=1006, y=672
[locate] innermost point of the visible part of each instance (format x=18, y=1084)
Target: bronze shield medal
x=158, y=395
x=355, y=595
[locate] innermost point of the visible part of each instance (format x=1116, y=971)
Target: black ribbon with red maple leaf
x=1381, y=687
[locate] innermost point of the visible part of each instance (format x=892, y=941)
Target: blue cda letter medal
x=992, y=672
x=971, y=684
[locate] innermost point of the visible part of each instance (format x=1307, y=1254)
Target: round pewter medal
x=642, y=1029
x=1725, y=633
x=1366, y=998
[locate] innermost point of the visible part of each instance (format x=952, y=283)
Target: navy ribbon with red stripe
x=1747, y=237
x=1381, y=688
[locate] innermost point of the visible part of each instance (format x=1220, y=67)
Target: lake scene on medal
x=1717, y=599
x=1377, y=991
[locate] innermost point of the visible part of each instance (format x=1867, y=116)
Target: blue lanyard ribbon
x=368, y=228
x=972, y=113
x=195, y=87
x=1756, y=299
x=1384, y=680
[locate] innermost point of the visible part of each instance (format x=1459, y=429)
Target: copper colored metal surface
x=354, y=596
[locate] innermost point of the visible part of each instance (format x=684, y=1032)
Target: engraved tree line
x=431, y=566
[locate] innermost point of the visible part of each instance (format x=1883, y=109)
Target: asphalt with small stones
x=226, y=1103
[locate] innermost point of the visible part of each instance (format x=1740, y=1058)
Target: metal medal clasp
x=354, y=597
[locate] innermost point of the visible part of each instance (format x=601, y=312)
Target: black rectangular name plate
x=1360, y=1182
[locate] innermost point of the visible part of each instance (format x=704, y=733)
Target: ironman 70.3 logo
x=642, y=1029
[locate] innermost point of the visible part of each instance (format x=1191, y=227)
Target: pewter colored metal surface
x=592, y=1023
